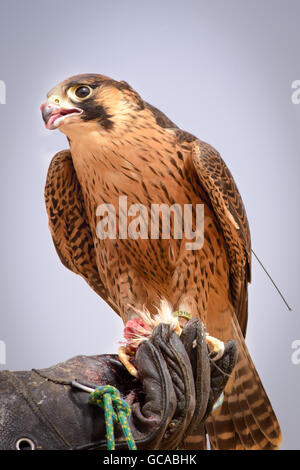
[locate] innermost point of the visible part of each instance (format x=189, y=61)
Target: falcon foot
x=216, y=346
x=124, y=355
x=140, y=329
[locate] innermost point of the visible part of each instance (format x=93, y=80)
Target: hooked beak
x=54, y=115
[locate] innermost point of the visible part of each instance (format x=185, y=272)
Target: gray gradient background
x=220, y=69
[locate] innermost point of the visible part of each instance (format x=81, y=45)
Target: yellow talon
x=216, y=346
x=124, y=356
x=177, y=329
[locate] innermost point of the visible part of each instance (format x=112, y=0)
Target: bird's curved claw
x=215, y=345
x=124, y=356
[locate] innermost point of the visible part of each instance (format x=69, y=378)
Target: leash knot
x=116, y=410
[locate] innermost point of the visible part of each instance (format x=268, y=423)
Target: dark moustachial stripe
x=96, y=112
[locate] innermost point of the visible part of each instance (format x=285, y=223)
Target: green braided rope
x=115, y=410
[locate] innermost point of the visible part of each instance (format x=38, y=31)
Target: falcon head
x=90, y=102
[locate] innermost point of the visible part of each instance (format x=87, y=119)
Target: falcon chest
x=146, y=168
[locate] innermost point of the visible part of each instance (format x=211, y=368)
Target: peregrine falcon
x=119, y=145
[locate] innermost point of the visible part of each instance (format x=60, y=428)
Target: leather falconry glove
x=210, y=375
x=45, y=409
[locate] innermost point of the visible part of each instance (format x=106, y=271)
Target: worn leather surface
x=193, y=338
x=175, y=391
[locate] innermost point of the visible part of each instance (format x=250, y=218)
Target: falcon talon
x=124, y=357
x=215, y=346
x=219, y=354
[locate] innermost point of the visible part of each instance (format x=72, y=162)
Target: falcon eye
x=80, y=92
x=83, y=91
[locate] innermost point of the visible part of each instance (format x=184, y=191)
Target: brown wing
x=246, y=419
x=228, y=206
x=227, y=203
x=68, y=223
